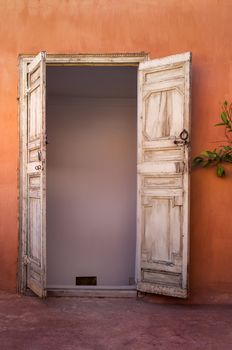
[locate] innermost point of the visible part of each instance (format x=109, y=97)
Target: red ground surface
x=28, y=323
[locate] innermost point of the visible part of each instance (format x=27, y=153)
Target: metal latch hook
x=184, y=135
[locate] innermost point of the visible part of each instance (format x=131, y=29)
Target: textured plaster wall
x=160, y=28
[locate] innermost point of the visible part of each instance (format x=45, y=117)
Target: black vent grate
x=86, y=280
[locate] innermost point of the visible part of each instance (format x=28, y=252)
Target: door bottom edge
x=95, y=293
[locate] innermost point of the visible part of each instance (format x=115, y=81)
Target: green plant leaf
x=220, y=170
x=219, y=124
x=204, y=153
x=227, y=158
x=224, y=118
x=206, y=163
x=228, y=148
x=222, y=154
x=212, y=155
x=197, y=161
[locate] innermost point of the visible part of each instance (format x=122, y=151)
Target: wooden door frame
x=111, y=59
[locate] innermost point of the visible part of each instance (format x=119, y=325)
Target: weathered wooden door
x=163, y=175
x=35, y=259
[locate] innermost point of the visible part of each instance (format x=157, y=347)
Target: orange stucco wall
x=160, y=28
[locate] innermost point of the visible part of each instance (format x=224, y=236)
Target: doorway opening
x=78, y=148
x=91, y=127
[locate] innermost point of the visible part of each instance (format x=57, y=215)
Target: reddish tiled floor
x=28, y=323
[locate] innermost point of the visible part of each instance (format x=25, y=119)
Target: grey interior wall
x=91, y=189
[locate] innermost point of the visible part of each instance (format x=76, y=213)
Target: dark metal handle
x=184, y=135
x=38, y=167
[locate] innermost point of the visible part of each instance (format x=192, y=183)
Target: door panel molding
x=32, y=180
x=163, y=175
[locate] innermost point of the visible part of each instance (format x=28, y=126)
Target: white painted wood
x=24, y=90
x=165, y=82
x=92, y=59
x=35, y=63
x=176, y=60
x=35, y=181
x=163, y=176
x=22, y=175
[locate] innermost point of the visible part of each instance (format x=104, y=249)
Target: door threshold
x=93, y=291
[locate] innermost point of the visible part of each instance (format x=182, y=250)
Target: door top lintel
x=91, y=59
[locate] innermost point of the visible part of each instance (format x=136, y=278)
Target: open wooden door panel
x=35, y=259
x=163, y=175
